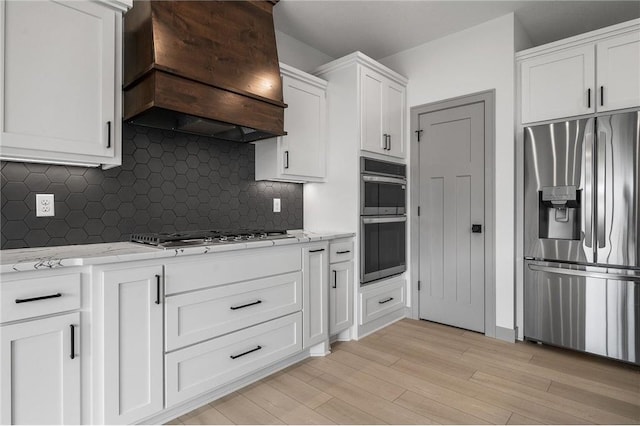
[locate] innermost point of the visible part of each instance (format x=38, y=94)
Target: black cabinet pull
x=33, y=299
x=389, y=142
x=73, y=341
x=476, y=229
x=108, y=134
x=382, y=302
x=257, y=348
x=315, y=251
x=335, y=279
x=257, y=302
x=157, y=289
x=286, y=159
x=588, y=98
x=343, y=252
x=601, y=95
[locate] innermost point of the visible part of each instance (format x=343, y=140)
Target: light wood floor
x=416, y=372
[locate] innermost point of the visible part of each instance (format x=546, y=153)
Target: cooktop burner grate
x=203, y=237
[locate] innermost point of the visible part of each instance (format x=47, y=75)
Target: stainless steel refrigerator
x=582, y=235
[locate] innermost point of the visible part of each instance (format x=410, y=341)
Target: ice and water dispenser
x=559, y=212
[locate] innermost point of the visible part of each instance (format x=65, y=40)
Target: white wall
x=298, y=54
x=477, y=59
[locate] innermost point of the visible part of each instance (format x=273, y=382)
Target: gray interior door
x=452, y=200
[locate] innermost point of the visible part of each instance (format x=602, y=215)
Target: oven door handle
x=382, y=179
x=393, y=219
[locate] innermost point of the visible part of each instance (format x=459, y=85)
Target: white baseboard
x=506, y=334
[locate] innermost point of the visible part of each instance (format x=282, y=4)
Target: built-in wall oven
x=383, y=219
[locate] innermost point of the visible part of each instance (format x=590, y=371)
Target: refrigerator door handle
x=574, y=272
x=601, y=179
x=588, y=190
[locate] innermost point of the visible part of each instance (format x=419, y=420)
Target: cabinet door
x=558, y=85
x=58, y=73
x=341, y=297
x=394, y=103
x=372, y=86
x=619, y=72
x=133, y=352
x=40, y=379
x=303, y=148
x=315, y=282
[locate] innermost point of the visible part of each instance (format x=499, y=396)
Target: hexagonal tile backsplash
x=167, y=182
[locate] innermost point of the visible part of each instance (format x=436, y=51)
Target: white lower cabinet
x=196, y=316
x=211, y=364
x=315, y=266
x=133, y=349
x=40, y=365
x=340, y=297
x=378, y=300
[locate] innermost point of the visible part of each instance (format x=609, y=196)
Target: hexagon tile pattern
x=168, y=182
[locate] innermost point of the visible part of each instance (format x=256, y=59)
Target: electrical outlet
x=276, y=205
x=44, y=205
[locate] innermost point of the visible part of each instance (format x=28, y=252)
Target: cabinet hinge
x=419, y=285
x=419, y=133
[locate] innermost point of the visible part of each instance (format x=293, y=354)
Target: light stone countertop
x=30, y=259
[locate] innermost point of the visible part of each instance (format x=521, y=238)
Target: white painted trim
x=120, y=5
x=362, y=59
x=506, y=334
x=590, y=37
x=488, y=98
x=305, y=77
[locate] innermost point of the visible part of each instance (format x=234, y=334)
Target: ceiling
x=380, y=28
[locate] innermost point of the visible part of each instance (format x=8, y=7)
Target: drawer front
x=39, y=296
x=381, y=301
x=201, y=315
x=197, y=369
x=340, y=251
x=226, y=268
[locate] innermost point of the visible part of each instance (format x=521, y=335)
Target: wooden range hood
x=204, y=67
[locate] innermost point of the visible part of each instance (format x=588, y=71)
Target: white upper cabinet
x=594, y=72
x=300, y=155
x=618, y=72
x=61, y=78
x=383, y=114
x=558, y=85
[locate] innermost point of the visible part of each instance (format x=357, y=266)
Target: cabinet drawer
x=201, y=315
x=381, y=301
x=214, y=363
x=340, y=251
x=39, y=296
x=227, y=268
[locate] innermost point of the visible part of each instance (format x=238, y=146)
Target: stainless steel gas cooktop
x=206, y=237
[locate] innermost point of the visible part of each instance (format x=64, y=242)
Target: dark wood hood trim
x=163, y=90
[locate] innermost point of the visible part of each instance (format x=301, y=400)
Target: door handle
x=335, y=279
x=286, y=159
x=157, y=289
x=33, y=299
x=601, y=95
x=246, y=305
x=601, y=178
x=72, y=355
x=588, y=189
x=108, y=134
x=476, y=229
x=588, y=274
x=589, y=98
x=257, y=348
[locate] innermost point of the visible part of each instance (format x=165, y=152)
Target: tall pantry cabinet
x=366, y=117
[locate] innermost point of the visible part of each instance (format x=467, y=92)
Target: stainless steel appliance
x=382, y=187
x=582, y=230
x=206, y=237
x=383, y=219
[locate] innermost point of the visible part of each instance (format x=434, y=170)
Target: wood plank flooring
x=417, y=372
